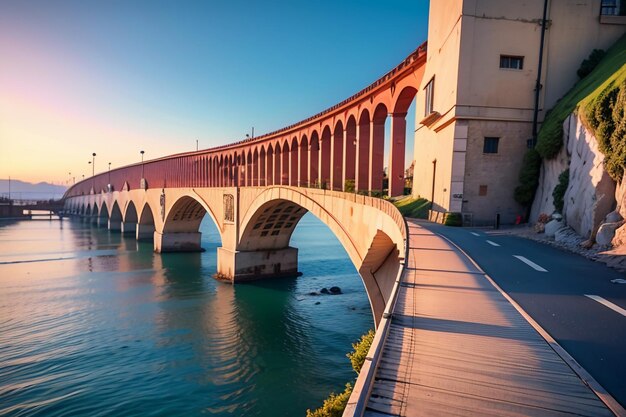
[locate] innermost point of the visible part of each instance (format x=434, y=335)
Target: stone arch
x=284, y=164
x=377, y=159
x=314, y=155
x=293, y=162
x=362, y=173
x=277, y=163
x=272, y=217
x=349, y=164
x=303, y=180
x=145, y=225
x=103, y=215
x=262, y=167
x=86, y=210
x=115, y=217
x=255, y=167
x=325, y=162
x=269, y=165
x=337, y=157
x=397, y=141
x=249, y=168
x=130, y=220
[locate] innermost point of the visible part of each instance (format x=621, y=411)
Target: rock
x=552, y=226
x=556, y=216
x=590, y=195
x=619, y=238
x=539, y=227
x=606, y=233
x=613, y=217
x=324, y=291
x=317, y=303
x=335, y=290
x=314, y=293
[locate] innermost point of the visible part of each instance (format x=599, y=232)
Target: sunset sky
x=115, y=77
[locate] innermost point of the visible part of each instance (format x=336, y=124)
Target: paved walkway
x=458, y=347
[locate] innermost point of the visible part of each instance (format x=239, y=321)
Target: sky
x=116, y=77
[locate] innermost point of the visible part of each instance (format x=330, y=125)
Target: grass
x=610, y=71
x=411, y=207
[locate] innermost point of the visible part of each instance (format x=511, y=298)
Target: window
x=511, y=62
x=482, y=190
x=429, y=91
x=610, y=8
x=491, y=145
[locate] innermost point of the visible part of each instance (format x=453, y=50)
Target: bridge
x=427, y=298
x=257, y=190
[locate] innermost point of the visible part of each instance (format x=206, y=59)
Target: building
x=476, y=103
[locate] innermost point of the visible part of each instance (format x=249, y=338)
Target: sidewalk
x=457, y=346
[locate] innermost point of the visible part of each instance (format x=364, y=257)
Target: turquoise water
x=94, y=324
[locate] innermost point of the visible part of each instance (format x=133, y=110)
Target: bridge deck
x=457, y=346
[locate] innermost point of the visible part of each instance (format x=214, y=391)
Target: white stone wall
x=590, y=195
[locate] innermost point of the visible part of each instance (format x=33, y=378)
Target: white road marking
x=618, y=281
x=608, y=304
x=475, y=234
x=530, y=263
x=492, y=243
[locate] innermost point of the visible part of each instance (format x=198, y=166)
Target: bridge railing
x=361, y=392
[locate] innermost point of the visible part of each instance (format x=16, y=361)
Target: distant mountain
x=21, y=190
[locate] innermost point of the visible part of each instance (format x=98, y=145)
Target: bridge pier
x=177, y=242
x=239, y=266
x=129, y=228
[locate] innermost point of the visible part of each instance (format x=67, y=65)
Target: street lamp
x=109, y=177
x=93, y=164
x=141, y=152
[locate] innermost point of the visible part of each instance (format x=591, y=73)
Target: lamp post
x=93, y=164
x=141, y=152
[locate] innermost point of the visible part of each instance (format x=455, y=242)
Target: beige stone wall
x=499, y=172
x=465, y=41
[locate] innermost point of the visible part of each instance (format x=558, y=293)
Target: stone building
x=476, y=104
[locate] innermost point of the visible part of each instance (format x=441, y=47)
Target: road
x=571, y=297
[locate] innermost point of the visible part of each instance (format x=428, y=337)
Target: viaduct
x=257, y=190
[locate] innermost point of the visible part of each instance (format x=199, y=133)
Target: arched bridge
x=257, y=190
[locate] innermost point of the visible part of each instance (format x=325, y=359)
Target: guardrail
x=363, y=387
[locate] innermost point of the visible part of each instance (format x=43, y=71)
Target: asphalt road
x=554, y=288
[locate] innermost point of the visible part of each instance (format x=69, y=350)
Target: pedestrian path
x=458, y=347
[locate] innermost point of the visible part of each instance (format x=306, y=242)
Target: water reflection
x=98, y=323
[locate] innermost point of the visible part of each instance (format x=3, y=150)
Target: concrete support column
x=144, y=232
x=376, y=155
x=177, y=242
x=238, y=266
x=129, y=228
x=396, y=154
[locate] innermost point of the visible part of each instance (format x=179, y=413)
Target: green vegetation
x=559, y=191
x=528, y=178
x=358, y=355
x=453, y=219
x=349, y=186
x=413, y=207
x=335, y=403
x=610, y=71
x=604, y=114
x=590, y=63
x=599, y=98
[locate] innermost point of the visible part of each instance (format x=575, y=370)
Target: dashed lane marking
x=475, y=234
x=492, y=243
x=608, y=304
x=530, y=263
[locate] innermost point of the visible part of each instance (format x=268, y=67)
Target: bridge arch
x=145, y=225
x=115, y=217
x=337, y=157
x=303, y=179
x=271, y=218
x=130, y=219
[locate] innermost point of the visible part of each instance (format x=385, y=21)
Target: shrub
x=358, y=355
x=559, y=191
x=604, y=114
x=543, y=218
x=453, y=219
x=349, y=186
x=334, y=405
x=590, y=63
x=528, y=178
